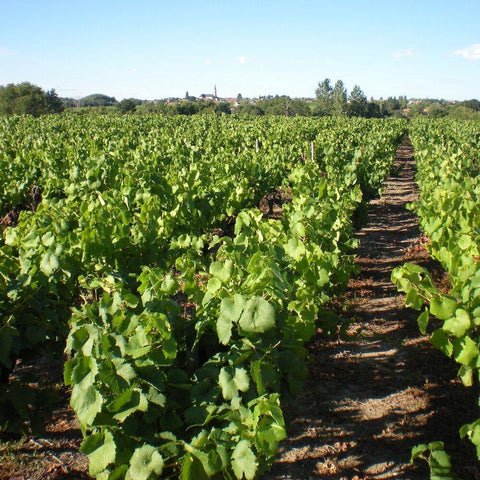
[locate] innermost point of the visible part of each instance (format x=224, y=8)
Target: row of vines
x=448, y=174
x=136, y=246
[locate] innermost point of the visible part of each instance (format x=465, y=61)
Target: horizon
x=153, y=50
x=261, y=97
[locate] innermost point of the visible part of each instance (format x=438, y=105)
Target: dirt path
x=370, y=398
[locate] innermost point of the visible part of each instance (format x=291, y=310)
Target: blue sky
x=156, y=49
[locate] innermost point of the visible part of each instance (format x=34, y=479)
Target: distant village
x=353, y=104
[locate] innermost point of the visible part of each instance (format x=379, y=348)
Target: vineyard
x=181, y=265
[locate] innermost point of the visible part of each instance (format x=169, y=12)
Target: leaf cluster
x=449, y=211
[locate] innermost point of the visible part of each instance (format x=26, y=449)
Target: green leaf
x=82, y=368
x=101, y=451
x=241, y=379
x=441, y=459
x=124, y=369
x=211, y=456
x=86, y=401
x=137, y=403
x=465, y=373
x=145, y=461
x=443, y=307
x=323, y=277
x=222, y=270
x=298, y=228
x=265, y=375
x=192, y=469
x=231, y=384
x=48, y=239
x=49, y=263
x=230, y=311
x=465, y=350
x=295, y=248
x=413, y=299
x=108, y=375
x=458, y=324
x=464, y=242
x=422, y=321
x=258, y=316
x=440, y=340
x=169, y=285
x=11, y=236
x=214, y=285
x=244, y=463
x=269, y=435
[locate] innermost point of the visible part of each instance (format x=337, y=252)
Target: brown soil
x=52, y=454
x=372, y=396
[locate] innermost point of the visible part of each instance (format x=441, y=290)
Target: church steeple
x=215, y=91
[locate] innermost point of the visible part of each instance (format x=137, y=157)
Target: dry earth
x=369, y=397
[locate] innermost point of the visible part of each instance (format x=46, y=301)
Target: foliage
x=334, y=101
x=358, y=106
x=128, y=105
x=339, y=99
x=449, y=210
x=187, y=309
x=438, y=460
x=97, y=100
x=283, y=106
x=324, y=98
x=27, y=99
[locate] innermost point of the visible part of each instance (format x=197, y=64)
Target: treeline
x=26, y=98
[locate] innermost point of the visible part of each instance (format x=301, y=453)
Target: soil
x=371, y=394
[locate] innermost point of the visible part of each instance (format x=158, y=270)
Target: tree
x=437, y=111
x=278, y=105
x=339, y=99
x=249, y=109
x=28, y=99
x=473, y=104
x=183, y=108
x=464, y=113
x=54, y=104
x=324, y=98
x=224, y=107
x=390, y=105
x=97, y=100
x=373, y=110
x=358, y=106
x=300, y=108
x=282, y=106
x=128, y=105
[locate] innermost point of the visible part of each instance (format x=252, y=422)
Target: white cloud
x=207, y=61
x=406, y=52
x=242, y=59
x=472, y=52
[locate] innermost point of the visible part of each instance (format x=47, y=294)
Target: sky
x=159, y=49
